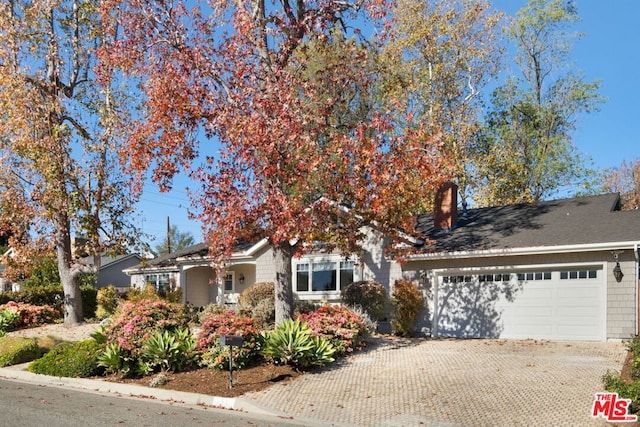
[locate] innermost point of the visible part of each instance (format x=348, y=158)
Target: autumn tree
x=437, y=59
x=295, y=144
x=624, y=179
x=59, y=174
x=526, y=152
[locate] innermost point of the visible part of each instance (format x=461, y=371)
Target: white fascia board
x=235, y=257
x=534, y=250
x=252, y=250
x=150, y=270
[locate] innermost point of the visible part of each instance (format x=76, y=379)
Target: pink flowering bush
x=32, y=315
x=214, y=326
x=344, y=328
x=138, y=321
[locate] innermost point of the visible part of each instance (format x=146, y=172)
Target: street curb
x=19, y=373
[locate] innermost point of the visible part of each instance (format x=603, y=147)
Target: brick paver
x=453, y=383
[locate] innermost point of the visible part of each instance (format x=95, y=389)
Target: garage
x=567, y=304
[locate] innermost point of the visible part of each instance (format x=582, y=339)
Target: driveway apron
x=453, y=383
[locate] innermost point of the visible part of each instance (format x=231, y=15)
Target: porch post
x=220, y=284
x=182, y=283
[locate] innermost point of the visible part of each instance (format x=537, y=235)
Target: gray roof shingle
x=574, y=221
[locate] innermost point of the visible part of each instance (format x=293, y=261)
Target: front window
x=161, y=281
x=323, y=275
x=228, y=282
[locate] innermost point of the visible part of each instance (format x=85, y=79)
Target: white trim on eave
x=247, y=255
x=534, y=250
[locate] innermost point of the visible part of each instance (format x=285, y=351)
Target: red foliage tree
x=289, y=95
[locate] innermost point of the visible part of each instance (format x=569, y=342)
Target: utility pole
x=168, y=236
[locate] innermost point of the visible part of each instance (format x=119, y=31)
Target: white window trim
x=310, y=260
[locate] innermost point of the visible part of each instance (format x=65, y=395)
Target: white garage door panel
x=542, y=309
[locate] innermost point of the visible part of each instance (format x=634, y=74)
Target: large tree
x=59, y=174
x=296, y=146
x=526, y=152
x=439, y=57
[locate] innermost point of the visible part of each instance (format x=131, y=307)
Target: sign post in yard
x=231, y=341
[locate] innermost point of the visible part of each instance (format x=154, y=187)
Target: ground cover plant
x=16, y=350
x=67, y=359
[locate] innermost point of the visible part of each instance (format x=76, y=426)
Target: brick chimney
x=445, y=208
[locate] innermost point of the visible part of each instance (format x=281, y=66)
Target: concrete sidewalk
x=420, y=382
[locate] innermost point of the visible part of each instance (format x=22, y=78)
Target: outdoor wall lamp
x=617, y=271
x=241, y=279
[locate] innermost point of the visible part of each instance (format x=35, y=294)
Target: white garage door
x=559, y=305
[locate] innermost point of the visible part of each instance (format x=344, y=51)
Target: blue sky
x=609, y=51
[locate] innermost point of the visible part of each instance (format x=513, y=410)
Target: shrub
x=258, y=301
x=626, y=390
x=291, y=343
x=407, y=301
x=135, y=323
x=16, y=350
x=634, y=348
x=75, y=360
x=32, y=315
x=254, y=294
x=211, y=309
x=42, y=295
x=304, y=307
x=107, y=299
x=344, y=328
x=89, y=301
x=174, y=295
x=9, y=319
x=264, y=314
x=368, y=295
x=148, y=293
x=216, y=356
x=43, y=273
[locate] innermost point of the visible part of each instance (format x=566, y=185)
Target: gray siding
x=265, y=268
x=112, y=274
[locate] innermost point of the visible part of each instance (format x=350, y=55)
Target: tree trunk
x=73, y=314
x=282, y=256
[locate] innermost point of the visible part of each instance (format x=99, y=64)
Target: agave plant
x=291, y=343
x=169, y=351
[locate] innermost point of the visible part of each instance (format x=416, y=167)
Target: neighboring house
x=545, y=270
x=111, y=270
x=6, y=285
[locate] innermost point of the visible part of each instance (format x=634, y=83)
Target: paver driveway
x=454, y=383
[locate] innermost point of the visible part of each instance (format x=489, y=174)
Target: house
x=563, y=269
x=112, y=270
x=318, y=276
